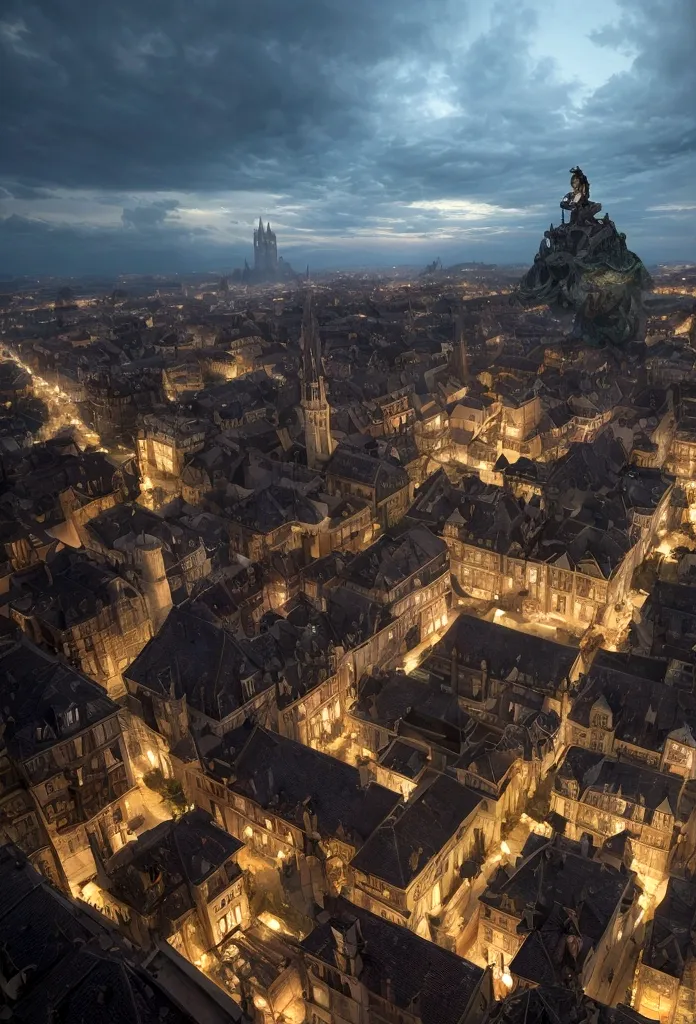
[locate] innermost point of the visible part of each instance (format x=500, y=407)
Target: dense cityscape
x=348, y=632
x=348, y=512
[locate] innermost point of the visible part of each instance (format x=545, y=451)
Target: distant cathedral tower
x=317, y=412
x=265, y=250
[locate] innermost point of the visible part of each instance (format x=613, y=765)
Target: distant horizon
x=355, y=268
x=185, y=259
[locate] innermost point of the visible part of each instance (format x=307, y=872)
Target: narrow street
x=62, y=409
x=462, y=914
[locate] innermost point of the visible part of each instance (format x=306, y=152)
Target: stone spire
x=311, y=343
x=315, y=406
x=460, y=355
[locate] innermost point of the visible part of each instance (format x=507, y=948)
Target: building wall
x=604, y=815
x=569, y=596
x=437, y=882
x=658, y=996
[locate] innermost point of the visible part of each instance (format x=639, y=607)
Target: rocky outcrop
x=584, y=267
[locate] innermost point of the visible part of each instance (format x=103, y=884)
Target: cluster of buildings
x=347, y=644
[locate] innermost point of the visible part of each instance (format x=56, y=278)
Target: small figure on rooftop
x=577, y=201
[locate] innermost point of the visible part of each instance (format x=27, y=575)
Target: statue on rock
x=585, y=267
x=577, y=201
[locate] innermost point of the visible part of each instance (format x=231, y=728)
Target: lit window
x=320, y=996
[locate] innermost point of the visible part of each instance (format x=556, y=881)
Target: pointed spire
x=311, y=342
x=268, y=229
x=461, y=361
x=260, y=228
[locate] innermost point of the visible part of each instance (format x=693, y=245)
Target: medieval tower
x=460, y=357
x=265, y=250
x=317, y=412
x=149, y=561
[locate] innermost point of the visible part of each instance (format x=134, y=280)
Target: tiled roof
x=403, y=845
x=439, y=982
x=288, y=777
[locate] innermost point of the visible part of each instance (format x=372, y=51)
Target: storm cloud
x=150, y=136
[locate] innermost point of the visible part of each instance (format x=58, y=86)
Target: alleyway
x=463, y=911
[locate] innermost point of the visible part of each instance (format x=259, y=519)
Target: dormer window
x=71, y=717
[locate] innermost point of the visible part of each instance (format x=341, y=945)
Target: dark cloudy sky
x=146, y=135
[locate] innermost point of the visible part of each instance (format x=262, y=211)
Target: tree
x=169, y=790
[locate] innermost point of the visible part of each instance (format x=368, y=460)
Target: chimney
x=365, y=775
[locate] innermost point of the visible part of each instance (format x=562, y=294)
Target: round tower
x=149, y=562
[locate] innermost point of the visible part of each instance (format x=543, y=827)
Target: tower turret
x=149, y=561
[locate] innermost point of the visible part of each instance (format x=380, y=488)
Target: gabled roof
x=558, y=872
x=193, y=656
x=439, y=983
x=288, y=778
x=404, y=844
x=177, y=853
x=668, y=943
x=509, y=654
x=37, y=690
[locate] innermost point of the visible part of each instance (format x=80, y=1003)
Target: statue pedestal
x=585, y=267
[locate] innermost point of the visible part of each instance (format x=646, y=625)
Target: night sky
x=149, y=135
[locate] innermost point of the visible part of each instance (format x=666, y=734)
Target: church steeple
x=311, y=343
x=460, y=356
x=315, y=406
